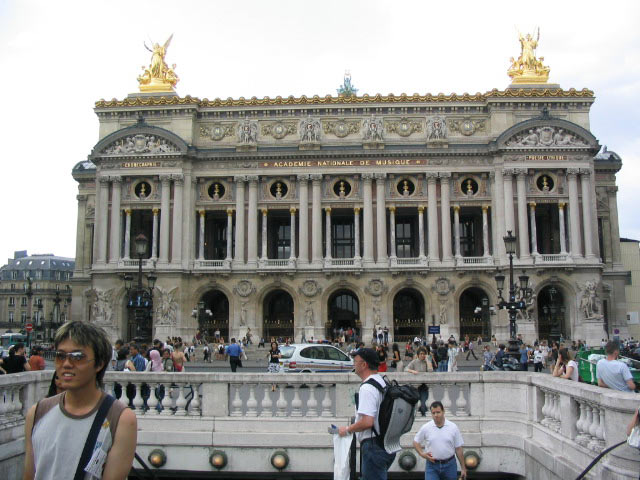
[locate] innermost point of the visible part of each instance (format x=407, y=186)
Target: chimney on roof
x=20, y=254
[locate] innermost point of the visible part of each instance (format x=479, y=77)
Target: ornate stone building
x=295, y=216
x=49, y=304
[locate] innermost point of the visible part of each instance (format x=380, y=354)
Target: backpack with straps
x=396, y=413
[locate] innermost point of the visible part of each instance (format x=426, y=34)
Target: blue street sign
x=434, y=329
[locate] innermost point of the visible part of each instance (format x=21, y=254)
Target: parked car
x=307, y=357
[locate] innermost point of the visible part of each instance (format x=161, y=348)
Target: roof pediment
x=139, y=140
x=544, y=133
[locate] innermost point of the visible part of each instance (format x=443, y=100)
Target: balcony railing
x=214, y=264
x=552, y=258
x=475, y=260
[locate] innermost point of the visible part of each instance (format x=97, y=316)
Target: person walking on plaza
x=82, y=432
x=470, y=351
x=375, y=459
x=439, y=442
x=234, y=352
x=612, y=373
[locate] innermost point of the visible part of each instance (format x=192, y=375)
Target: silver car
x=312, y=357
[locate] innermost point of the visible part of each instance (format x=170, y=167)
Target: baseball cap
x=369, y=355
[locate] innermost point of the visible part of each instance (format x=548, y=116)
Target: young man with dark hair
x=445, y=444
x=82, y=430
x=375, y=459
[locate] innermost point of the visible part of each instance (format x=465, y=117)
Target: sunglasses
x=74, y=357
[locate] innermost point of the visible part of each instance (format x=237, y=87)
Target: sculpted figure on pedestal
x=158, y=77
x=166, y=306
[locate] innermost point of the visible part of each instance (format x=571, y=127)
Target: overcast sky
x=58, y=57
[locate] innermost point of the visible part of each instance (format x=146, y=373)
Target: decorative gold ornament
x=158, y=77
x=469, y=187
x=278, y=190
x=528, y=69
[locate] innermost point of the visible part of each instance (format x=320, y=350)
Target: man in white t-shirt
x=612, y=373
x=440, y=442
x=375, y=459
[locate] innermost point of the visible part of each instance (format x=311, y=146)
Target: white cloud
x=59, y=57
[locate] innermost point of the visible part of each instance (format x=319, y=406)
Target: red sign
x=28, y=327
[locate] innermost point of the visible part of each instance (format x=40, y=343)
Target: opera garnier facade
x=294, y=217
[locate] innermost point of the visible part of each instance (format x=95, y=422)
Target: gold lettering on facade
x=140, y=164
x=339, y=163
x=545, y=157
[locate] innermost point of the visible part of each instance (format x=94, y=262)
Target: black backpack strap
x=380, y=388
x=89, y=445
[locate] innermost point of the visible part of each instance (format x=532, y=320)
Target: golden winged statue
x=158, y=77
x=528, y=69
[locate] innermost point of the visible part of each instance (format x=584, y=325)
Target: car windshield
x=286, y=351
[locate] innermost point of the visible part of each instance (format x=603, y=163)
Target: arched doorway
x=213, y=315
x=344, y=312
x=278, y=316
x=474, y=314
x=408, y=315
x=551, y=314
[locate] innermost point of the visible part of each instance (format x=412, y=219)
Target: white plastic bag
x=341, y=446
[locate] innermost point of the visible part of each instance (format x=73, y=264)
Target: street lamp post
x=29, y=294
x=518, y=294
x=140, y=298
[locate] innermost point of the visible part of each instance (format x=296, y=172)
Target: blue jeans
x=441, y=471
x=375, y=461
x=442, y=365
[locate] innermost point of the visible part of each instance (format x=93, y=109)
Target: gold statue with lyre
x=528, y=69
x=158, y=77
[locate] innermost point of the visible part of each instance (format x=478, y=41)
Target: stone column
x=587, y=221
x=498, y=217
x=292, y=255
x=265, y=233
x=563, y=235
x=456, y=230
x=613, y=218
x=202, y=218
x=523, y=229
x=116, y=220
x=81, y=259
x=392, y=233
x=164, y=219
x=509, y=219
x=368, y=218
x=238, y=258
x=421, y=232
x=574, y=212
x=327, y=233
x=432, y=217
x=316, y=219
x=127, y=234
x=381, y=219
x=176, y=244
x=485, y=231
x=188, y=219
x=356, y=230
x=229, y=235
x=534, y=233
x=103, y=191
x=154, y=240
x=445, y=212
x=303, y=253
x=252, y=224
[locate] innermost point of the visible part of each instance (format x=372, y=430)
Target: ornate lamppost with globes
x=518, y=293
x=140, y=298
x=204, y=316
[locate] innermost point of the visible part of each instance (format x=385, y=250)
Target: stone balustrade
x=526, y=424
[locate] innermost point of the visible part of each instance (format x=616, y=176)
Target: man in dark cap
x=375, y=460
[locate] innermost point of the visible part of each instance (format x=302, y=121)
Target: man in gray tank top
x=57, y=428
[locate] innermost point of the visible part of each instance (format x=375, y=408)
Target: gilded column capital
x=532, y=204
x=303, y=177
x=356, y=210
x=316, y=177
x=155, y=211
x=420, y=208
x=380, y=176
x=561, y=205
x=392, y=208
x=264, y=211
x=127, y=211
x=202, y=213
x=456, y=208
x=292, y=210
x=485, y=208
x=327, y=209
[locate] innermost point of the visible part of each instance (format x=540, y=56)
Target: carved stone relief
x=244, y=288
x=376, y=287
x=101, y=305
x=279, y=130
x=217, y=131
x=341, y=128
x=546, y=137
x=404, y=127
x=166, y=306
x=247, y=132
x=310, y=288
x=310, y=130
x=436, y=128
x=140, y=144
x=467, y=126
x=372, y=129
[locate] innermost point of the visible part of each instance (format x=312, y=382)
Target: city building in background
x=630, y=252
x=36, y=290
x=295, y=217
